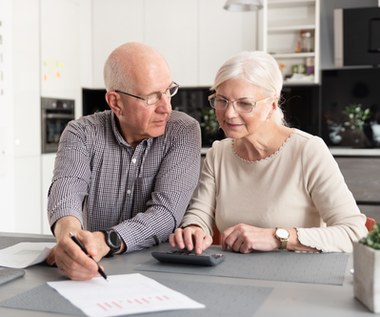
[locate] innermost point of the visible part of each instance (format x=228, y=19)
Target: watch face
x=282, y=233
x=114, y=239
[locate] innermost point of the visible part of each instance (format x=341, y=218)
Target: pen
x=75, y=239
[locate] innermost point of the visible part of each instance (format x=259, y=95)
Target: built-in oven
x=55, y=114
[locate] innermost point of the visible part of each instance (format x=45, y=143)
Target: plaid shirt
x=141, y=192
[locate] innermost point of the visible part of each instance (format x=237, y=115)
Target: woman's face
x=235, y=121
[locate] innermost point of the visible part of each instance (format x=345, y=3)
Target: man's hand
x=68, y=256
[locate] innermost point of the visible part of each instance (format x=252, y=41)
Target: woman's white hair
x=259, y=69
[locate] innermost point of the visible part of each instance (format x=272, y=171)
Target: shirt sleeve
x=174, y=185
x=335, y=203
x=72, y=176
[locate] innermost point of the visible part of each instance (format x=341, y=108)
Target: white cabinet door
x=222, y=34
x=47, y=168
x=195, y=36
x=61, y=32
x=27, y=195
x=114, y=23
x=25, y=77
x=171, y=26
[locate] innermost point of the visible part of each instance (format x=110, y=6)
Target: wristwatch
x=113, y=240
x=283, y=236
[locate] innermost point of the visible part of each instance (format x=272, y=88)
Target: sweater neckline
x=269, y=157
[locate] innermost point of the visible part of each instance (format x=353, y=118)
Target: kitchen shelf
x=286, y=28
x=285, y=21
x=290, y=3
x=293, y=55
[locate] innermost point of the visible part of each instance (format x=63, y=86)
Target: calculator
x=188, y=257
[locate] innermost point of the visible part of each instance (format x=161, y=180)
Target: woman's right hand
x=190, y=238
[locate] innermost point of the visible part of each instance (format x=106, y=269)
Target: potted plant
x=355, y=117
x=210, y=127
x=367, y=269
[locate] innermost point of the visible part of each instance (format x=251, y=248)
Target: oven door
x=56, y=114
x=54, y=126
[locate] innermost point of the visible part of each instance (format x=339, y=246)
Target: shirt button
x=134, y=161
x=128, y=192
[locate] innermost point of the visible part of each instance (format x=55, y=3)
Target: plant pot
x=367, y=276
x=354, y=138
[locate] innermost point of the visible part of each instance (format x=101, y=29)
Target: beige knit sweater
x=299, y=186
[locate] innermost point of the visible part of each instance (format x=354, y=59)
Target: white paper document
x=24, y=254
x=124, y=294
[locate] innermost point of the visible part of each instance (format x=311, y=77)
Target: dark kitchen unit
x=300, y=104
x=357, y=88
x=55, y=114
x=93, y=100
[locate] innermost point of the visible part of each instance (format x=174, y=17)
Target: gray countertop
x=285, y=298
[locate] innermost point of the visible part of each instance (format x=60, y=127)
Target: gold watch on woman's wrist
x=282, y=235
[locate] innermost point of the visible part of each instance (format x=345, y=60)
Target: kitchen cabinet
x=60, y=50
x=362, y=175
x=47, y=161
x=291, y=34
x=175, y=36
x=114, y=22
x=19, y=116
x=222, y=34
x=27, y=195
x=40, y=53
x=195, y=36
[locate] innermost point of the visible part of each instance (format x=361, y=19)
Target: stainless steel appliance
x=55, y=114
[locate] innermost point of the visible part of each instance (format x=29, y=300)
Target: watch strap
x=283, y=243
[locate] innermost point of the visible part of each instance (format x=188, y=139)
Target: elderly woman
x=266, y=186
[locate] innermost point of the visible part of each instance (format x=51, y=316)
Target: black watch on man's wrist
x=113, y=240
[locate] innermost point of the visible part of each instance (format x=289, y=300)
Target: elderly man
x=123, y=177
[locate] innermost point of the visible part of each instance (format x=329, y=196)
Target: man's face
x=146, y=74
x=138, y=120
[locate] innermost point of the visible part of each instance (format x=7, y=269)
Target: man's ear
x=112, y=99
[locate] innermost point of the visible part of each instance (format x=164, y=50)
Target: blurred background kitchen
x=52, y=55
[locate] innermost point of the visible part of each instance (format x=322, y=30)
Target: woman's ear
x=272, y=109
x=112, y=99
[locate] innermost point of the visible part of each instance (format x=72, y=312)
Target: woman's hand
x=191, y=237
x=245, y=238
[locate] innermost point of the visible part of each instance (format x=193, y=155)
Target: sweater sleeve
x=335, y=203
x=201, y=211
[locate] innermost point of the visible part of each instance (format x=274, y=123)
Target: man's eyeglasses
x=242, y=105
x=154, y=97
